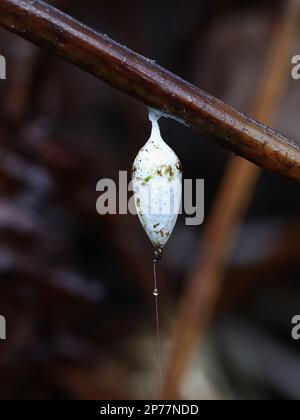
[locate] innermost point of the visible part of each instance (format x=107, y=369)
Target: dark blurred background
x=76, y=287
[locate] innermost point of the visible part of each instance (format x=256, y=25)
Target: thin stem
x=159, y=363
x=153, y=85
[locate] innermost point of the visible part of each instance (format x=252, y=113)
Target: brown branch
x=204, y=286
x=156, y=87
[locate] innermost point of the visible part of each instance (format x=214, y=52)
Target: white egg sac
x=157, y=186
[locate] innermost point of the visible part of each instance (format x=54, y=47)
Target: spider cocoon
x=157, y=186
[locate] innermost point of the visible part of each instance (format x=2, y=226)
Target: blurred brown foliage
x=76, y=287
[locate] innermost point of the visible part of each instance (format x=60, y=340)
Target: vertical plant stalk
x=204, y=285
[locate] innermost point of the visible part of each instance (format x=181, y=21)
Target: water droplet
x=155, y=292
x=157, y=254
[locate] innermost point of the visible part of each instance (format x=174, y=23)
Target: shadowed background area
x=76, y=287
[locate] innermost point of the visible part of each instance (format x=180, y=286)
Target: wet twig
x=145, y=80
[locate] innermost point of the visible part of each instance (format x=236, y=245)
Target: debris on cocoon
x=157, y=186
